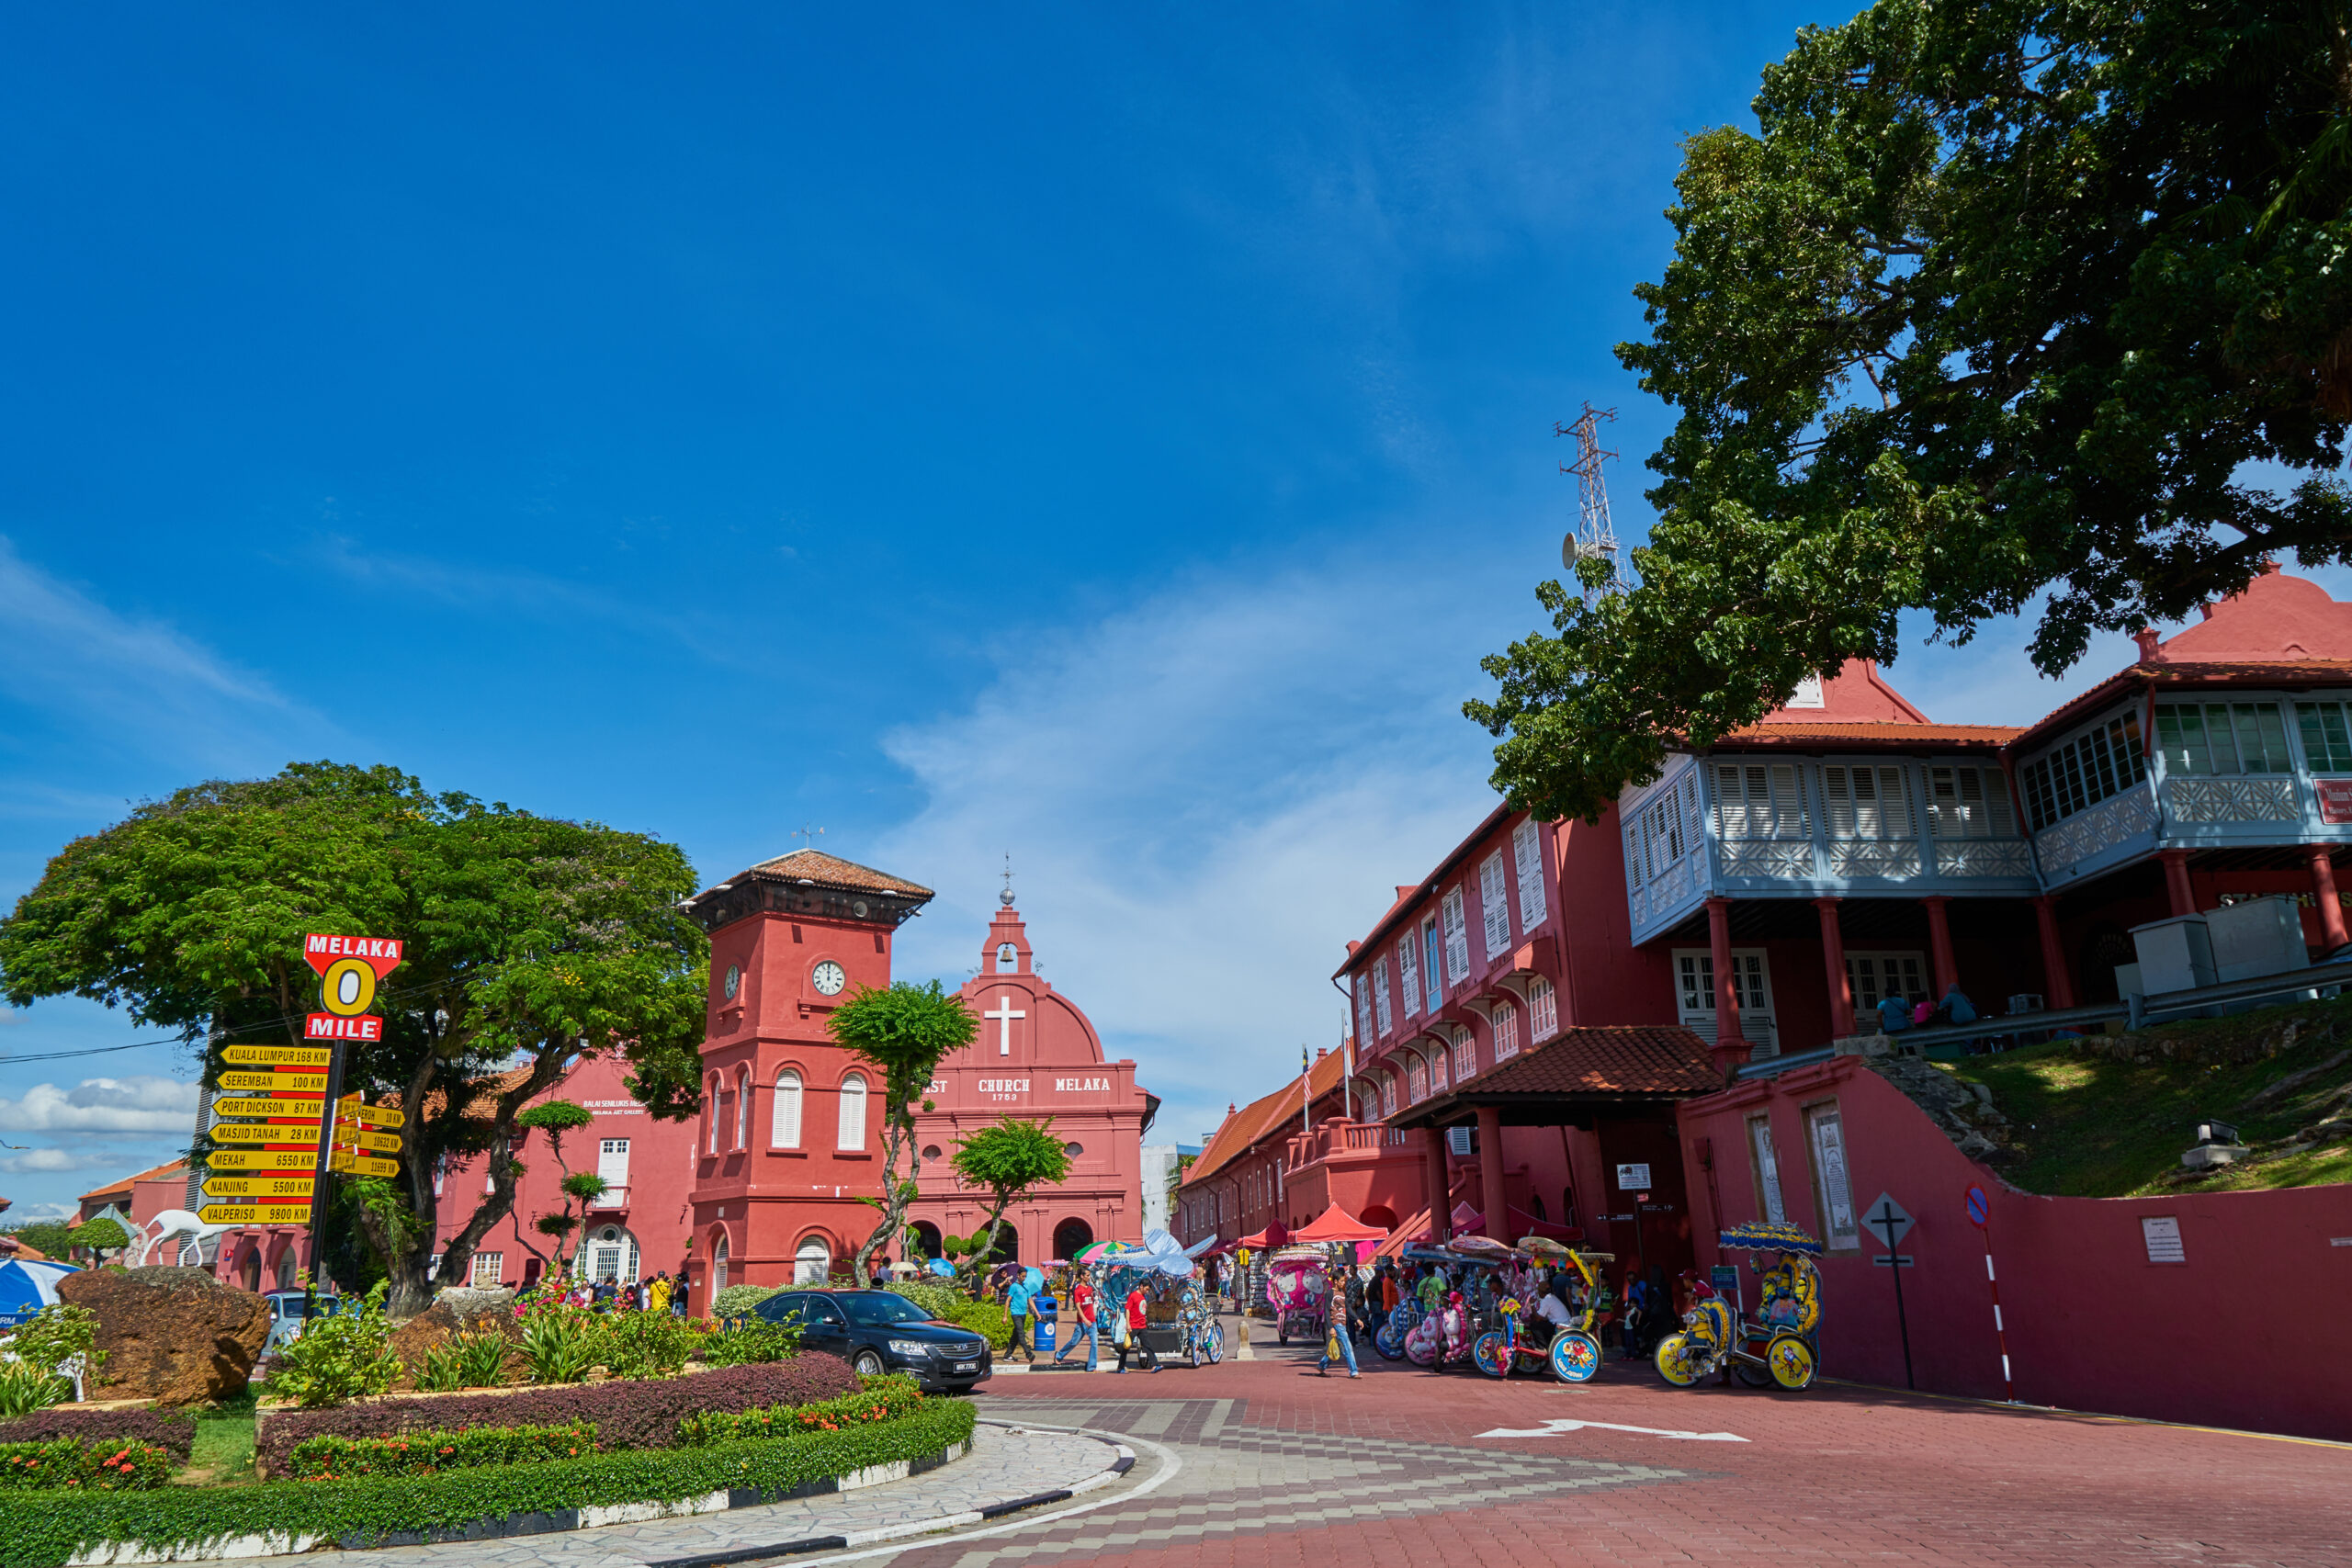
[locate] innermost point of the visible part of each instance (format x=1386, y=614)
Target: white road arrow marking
x=1558, y=1425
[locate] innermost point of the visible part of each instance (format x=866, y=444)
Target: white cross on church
x=1004, y=1015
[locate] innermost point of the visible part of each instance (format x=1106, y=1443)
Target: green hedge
x=122, y=1463
x=429, y=1453
x=46, y=1531
x=882, y=1399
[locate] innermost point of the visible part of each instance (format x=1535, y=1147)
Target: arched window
x=812, y=1262
x=852, y=1128
x=1008, y=958
x=784, y=1130
x=718, y=1265
x=742, y=1108
x=710, y=1111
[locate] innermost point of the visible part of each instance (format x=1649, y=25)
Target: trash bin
x=1042, y=1323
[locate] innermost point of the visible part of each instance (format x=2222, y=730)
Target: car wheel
x=868, y=1364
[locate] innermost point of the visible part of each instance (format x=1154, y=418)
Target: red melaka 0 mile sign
x=349, y=968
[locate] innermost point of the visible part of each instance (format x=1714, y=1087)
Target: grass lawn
x=222, y=1454
x=2092, y=1126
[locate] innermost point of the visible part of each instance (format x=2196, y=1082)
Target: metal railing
x=2137, y=1011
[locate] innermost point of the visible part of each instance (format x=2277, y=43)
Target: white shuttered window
x=1969, y=802
x=1494, y=907
x=1380, y=1006
x=1866, y=802
x=1408, y=976
x=852, y=1129
x=1364, y=1007
x=1457, y=937
x=1760, y=800
x=783, y=1126
x=1527, y=857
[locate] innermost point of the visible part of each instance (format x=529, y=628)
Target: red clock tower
x=790, y=1136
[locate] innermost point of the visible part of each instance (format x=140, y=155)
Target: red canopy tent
x=1275, y=1234
x=1334, y=1223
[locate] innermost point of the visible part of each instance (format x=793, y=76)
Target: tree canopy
x=906, y=1031
x=2001, y=301
x=1012, y=1159
x=531, y=943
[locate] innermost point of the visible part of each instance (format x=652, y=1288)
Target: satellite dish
x=1569, y=553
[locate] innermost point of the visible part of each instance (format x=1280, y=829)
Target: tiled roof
x=1812, y=736
x=817, y=868
x=122, y=1188
x=1274, y=1113
x=1643, y=1059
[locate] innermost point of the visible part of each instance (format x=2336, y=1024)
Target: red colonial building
x=1037, y=1056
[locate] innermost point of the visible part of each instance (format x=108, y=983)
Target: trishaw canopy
x=1766, y=1235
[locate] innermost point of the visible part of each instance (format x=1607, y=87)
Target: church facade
x=1037, y=1056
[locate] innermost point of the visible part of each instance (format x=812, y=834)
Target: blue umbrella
x=941, y=1267
x=25, y=1287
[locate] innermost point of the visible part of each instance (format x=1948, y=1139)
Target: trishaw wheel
x=1192, y=1353
x=1487, y=1352
x=1790, y=1360
x=1675, y=1362
x=1575, y=1357
x=1750, y=1373
x=1389, y=1342
x=1216, y=1346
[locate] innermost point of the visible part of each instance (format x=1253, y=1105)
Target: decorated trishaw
x=1177, y=1318
x=1475, y=1276
x=1780, y=1344
x=1523, y=1338
x=1294, y=1288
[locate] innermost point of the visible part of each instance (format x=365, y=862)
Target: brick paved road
x=1281, y=1466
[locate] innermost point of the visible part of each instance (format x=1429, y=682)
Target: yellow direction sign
x=292, y=1214
x=360, y=1165
x=253, y=1132
x=305, y=1083
x=346, y=1136
x=258, y=1188
x=277, y=1056
x=261, y=1159
x=311, y=1108
x=368, y=1116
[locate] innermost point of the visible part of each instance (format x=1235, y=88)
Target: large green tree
x=532, y=943
x=1011, y=1159
x=906, y=1031
x=2002, y=299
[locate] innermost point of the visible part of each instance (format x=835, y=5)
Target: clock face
x=733, y=982
x=830, y=979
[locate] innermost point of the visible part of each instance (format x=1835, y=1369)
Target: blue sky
x=1103, y=436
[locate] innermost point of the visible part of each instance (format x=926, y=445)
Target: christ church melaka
x=773, y=1182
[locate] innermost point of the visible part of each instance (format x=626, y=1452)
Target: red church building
x=1037, y=1056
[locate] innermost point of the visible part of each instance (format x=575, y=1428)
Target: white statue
x=180, y=1222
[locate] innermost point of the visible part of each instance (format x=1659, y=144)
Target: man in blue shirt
x=1017, y=1302
x=1894, y=1014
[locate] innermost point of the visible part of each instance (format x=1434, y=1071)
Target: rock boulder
x=176, y=1336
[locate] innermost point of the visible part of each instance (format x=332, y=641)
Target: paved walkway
x=1264, y=1462
x=1005, y=1465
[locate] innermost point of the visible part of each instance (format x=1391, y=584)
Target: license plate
x=967, y=1366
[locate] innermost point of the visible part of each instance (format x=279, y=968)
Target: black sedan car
x=879, y=1331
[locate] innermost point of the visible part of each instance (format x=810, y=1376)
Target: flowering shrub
x=429, y=1453
x=120, y=1465
x=171, y=1431
x=338, y=1359
x=882, y=1399
x=626, y=1415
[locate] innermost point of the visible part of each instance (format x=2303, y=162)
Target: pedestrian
x=1341, y=1334
x=1082, y=1301
x=1134, y=1340
x=1017, y=1302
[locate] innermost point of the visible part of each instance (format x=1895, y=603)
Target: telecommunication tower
x=1594, y=537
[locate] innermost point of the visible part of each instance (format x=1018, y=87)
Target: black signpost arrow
x=1888, y=1222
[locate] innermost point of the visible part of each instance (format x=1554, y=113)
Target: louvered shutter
x=1527, y=850
x=1457, y=938
x=1408, y=976
x=1380, y=1008
x=1494, y=907
x=784, y=1129
x=1363, y=1008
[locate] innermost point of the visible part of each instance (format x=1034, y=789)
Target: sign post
x=1980, y=1214
x=349, y=969
x=1887, y=1221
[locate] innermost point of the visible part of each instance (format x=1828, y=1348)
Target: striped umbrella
x=26, y=1286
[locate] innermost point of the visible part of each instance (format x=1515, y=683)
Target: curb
x=504, y=1526
x=1117, y=1468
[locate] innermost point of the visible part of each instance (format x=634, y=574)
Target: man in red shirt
x=1135, y=1333
x=1081, y=1299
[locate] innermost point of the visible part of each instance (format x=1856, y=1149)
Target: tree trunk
x=900, y=1129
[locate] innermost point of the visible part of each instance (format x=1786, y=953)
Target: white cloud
x=64, y=653
x=27, y=1213
x=1204, y=797
x=21, y=1162
x=142, y=1103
